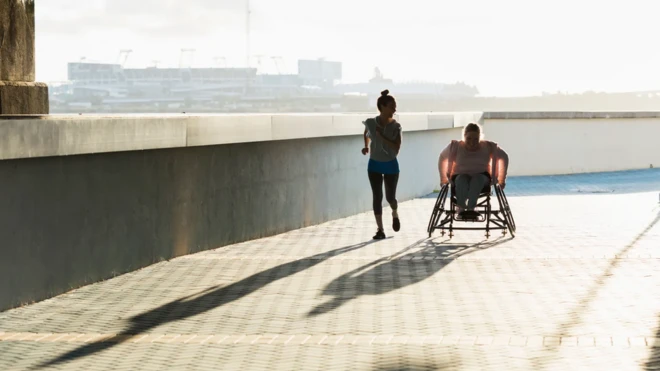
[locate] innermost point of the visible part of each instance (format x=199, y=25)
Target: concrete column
x=19, y=93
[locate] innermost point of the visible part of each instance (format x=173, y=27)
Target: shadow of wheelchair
x=396, y=271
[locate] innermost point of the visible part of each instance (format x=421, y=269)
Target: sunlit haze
x=505, y=48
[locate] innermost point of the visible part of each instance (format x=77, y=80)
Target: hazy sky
x=504, y=47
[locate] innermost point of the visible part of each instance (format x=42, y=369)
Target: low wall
x=65, y=135
x=551, y=143
x=72, y=220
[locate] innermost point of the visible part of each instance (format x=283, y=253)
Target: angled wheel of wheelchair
x=509, y=214
x=434, y=212
x=506, y=210
x=438, y=209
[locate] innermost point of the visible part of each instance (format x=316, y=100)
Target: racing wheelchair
x=495, y=219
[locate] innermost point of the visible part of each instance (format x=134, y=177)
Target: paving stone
x=578, y=288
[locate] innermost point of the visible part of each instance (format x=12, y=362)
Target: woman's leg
x=462, y=184
x=477, y=183
x=391, y=181
x=376, y=181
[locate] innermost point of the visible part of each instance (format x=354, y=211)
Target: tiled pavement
x=578, y=288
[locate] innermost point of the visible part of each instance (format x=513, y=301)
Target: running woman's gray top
x=379, y=151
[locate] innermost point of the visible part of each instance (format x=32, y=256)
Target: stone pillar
x=19, y=93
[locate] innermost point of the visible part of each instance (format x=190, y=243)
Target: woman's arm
x=393, y=144
x=502, y=166
x=443, y=164
x=365, y=150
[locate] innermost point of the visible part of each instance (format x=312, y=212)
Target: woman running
x=384, y=133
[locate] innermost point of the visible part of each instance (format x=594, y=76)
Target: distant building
x=106, y=87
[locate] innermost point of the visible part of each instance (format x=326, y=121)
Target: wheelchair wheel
x=438, y=209
x=434, y=213
x=506, y=210
x=509, y=214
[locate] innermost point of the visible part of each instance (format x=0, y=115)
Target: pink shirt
x=455, y=159
x=472, y=162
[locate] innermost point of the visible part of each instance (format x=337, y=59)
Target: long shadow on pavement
x=201, y=302
x=579, y=311
x=653, y=363
x=394, y=272
x=403, y=364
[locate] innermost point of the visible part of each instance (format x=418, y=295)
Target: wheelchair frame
x=501, y=219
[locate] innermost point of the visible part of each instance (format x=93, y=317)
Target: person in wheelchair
x=469, y=165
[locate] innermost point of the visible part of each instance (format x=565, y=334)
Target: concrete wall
x=63, y=135
x=547, y=144
x=67, y=221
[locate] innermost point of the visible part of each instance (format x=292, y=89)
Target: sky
x=504, y=47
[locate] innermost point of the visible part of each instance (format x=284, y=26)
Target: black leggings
x=376, y=180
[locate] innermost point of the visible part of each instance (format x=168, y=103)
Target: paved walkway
x=578, y=288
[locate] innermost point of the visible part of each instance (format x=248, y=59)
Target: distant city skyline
x=505, y=48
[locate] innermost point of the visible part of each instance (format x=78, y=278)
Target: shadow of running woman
x=394, y=272
x=201, y=302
